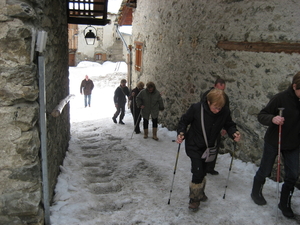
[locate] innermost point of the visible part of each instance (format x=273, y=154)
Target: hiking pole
x=234, y=148
x=278, y=160
x=174, y=171
x=136, y=124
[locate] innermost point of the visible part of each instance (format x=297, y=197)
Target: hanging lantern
x=89, y=35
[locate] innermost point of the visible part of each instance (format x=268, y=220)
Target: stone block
x=23, y=116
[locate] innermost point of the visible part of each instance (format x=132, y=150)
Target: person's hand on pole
x=180, y=138
x=236, y=136
x=278, y=120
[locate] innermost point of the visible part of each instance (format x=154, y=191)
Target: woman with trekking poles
x=210, y=115
x=282, y=116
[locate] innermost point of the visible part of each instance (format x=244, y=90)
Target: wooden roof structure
x=125, y=12
x=90, y=12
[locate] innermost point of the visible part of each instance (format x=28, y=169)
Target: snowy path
x=107, y=178
x=112, y=179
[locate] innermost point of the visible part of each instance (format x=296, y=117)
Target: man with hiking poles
x=282, y=116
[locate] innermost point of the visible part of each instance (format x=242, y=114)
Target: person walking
x=150, y=102
x=289, y=101
x=120, y=95
x=135, y=111
x=86, y=88
x=216, y=116
x=219, y=84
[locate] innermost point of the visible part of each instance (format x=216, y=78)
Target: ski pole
x=278, y=159
x=174, y=171
x=136, y=124
x=230, y=166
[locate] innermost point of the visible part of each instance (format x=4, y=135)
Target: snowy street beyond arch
x=109, y=178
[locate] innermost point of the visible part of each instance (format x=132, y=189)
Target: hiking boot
x=114, y=119
x=154, y=131
x=121, y=122
x=256, y=193
x=194, y=205
x=196, y=195
x=145, y=133
x=212, y=172
x=285, y=201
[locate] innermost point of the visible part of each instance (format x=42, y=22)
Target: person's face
x=123, y=84
x=220, y=86
x=87, y=77
x=213, y=108
x=297, y=92
x=150, y=89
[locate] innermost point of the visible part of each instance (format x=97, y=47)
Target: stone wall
x=180, y=55
x=21, y=180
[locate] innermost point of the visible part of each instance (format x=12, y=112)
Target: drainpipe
x=129, y=50
x=40, y=47
x=43, y=130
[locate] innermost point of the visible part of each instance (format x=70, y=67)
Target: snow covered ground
x=112, y=176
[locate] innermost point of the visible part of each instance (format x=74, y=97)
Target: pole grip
x=280, y=111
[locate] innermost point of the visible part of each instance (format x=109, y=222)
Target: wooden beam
x=59, y=108
x=125, y=17
x=259, y=46
x=88, y=21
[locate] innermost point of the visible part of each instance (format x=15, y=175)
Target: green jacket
x=152, y=101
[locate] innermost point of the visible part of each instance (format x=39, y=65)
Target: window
x=100, y=57
x=138, y=55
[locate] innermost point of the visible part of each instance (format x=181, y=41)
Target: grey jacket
x=152, y=101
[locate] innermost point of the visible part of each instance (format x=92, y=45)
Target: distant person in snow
x=217, y=117
x=135, y=111
x=150, y=102
x=120, y=95
x=289, y=102
x=219, y=84
x=86, y=88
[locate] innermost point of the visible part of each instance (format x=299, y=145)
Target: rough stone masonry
x=181, y=56
x=20, y=163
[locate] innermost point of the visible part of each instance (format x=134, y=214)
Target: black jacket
x=120, y=95
x=290, y=133
x=214, y=123
x=136, y=91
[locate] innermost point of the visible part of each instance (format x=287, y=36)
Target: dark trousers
x=290, y=160
x=136, y=118
x=198, y=170
x=87, y=100
x=120, y=108
x=146, y=123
